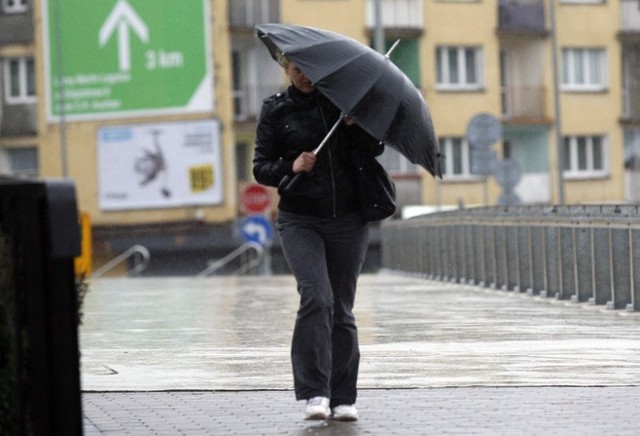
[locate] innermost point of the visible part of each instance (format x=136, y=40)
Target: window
x=14, y=6
x=458, y=157
x=584, y=156
x=255, y=77
x=19, y=80
x=459, y=68
x=403, y=14
x=583, y=69
x=21, y=161
x=396, y=163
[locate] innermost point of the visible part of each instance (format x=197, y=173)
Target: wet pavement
x=211, y=356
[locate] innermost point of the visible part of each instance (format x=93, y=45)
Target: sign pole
x=556, y=103
x=61, y=96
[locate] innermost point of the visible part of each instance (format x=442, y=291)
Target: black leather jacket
x=292, y=122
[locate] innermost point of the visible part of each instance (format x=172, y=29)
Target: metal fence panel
x=583, y=274
x=582, y=253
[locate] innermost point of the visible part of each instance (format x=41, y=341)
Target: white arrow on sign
x=121, y=17
x=251, y=228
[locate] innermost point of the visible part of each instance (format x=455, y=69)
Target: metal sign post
x=483, y=131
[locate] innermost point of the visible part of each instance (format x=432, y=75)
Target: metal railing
x=580, y=253
x=522, y=15
x=523, y=102
x=141, y=258
x=216, y=265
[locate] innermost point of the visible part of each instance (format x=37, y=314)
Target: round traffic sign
x=255, y=198
x=484, y=130
x=257, y=228
x=483, y=161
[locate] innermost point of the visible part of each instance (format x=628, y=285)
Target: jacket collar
x=300, y=97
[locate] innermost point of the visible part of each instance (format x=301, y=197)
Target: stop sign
x=255, y=198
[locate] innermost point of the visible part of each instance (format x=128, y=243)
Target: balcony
x=631, y=103
x=398, y=15
x=630, y=82
x=245, y=14
x=16, y=28
x=19, y=120
x=521, y=17
x=629, y=20
x=523, y=104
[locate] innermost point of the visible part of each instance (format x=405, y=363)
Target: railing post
x=494, y=257
x=531, y=289
x=518, y=279
x=633, y=273
x=620, y=283
x=583, y=273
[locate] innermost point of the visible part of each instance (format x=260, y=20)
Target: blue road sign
x=257, y=228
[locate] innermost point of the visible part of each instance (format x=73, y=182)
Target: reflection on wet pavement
x=234, y=333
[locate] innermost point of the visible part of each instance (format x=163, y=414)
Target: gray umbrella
x=363, y=84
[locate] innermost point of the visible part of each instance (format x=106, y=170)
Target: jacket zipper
x=331, y=172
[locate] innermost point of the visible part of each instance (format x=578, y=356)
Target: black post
x=40, y=236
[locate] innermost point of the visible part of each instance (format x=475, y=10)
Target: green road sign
x=116, y=58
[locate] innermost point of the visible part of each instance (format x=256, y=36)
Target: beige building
x=96, y=96
x=132, y=102
x=497, y=58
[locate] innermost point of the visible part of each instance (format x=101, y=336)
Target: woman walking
x=323, y=234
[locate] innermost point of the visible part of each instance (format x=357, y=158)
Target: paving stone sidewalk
x=551, y=410
x=184, y=356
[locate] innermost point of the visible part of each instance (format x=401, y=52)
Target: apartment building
x=494, y=57
x=152, y=110
x=132, y=100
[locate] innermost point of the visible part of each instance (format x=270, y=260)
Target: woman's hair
x=282, y=59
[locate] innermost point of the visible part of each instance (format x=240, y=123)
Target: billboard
x=117, y=58
x=160, y=165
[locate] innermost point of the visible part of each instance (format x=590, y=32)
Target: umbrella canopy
x=363, y=84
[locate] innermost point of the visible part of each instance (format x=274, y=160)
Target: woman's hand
x=349, y=121
x=304, y=163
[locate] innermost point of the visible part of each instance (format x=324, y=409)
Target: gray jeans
x=325, y=255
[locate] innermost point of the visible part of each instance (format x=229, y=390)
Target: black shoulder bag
x=377, y=190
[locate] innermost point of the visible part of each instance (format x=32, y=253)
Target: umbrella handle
x=289, y=182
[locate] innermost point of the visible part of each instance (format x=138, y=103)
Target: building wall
x=456, y=24
x=344, y=16
x=445, y=23
x=81, y=138
x=594, y=113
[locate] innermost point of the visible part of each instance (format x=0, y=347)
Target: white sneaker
x=345, y=412
x=317, y=408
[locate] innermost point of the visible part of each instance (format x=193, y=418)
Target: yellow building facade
x=510, y=44
x=468, y=57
